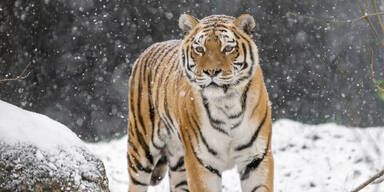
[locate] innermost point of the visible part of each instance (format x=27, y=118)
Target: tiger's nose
x=212, y=72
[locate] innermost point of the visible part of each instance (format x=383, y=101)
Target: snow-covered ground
x=308, y=158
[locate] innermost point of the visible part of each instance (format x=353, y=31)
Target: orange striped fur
x=198, y=107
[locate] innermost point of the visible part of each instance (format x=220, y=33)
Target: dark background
x=80, y=53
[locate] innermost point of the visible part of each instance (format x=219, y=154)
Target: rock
x=40, y=154
x=24, y=167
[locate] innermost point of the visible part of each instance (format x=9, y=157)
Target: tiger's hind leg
x=175, y=156
x=159, y=171
x=144, y=172
x=147, y=163
x=139, y=174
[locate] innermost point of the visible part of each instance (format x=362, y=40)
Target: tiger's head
x=218, y=51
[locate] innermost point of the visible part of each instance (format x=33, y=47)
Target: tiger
x=199, y=107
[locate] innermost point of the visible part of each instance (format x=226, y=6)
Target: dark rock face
x=27, y=168
x=81, y=53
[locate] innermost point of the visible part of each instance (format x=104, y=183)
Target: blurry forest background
x=80, y=53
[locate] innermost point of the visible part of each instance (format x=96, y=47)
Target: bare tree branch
x=373, y=72
x=364, y=16
x=369, y=181
x=371, y=26
x=333, y=21
x=21, y=76
x=373, y=2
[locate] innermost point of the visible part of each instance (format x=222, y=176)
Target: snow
x=36, y=150
x=310, y=158
x=21, y=126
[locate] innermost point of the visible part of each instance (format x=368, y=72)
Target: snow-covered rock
x=40, y=154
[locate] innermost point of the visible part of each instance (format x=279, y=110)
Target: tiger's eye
x=228, y=49
x=199, y=49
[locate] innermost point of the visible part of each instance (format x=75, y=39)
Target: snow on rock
x=310, y=158
x=40, y=154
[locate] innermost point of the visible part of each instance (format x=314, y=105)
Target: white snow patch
x=21, y=126
x=39, y=146
x=310, y=158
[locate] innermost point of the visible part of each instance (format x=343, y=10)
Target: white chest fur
x=225, y=112
x=224, y=124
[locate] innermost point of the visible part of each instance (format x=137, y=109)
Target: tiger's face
x=218, y=51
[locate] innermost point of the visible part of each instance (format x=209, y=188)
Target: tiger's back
x=197, y=128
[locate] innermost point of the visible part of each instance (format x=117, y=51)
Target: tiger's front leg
x=201, y=178
x=257, y=176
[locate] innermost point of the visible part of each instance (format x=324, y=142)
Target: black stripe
x=193, y=127
x=160, y=81
x=181, y=183
x=144, y=146
x=161, y=77
x=250, y=167
x=236, y=36
x=254, y=136
x=136, y=182
x=215, y=123
x=255, y=163
x=161, y=61
x=179, y=164
x=210, y=168
x=256, y=188
x=236, y=125
x=132, y=146
x=150, y=104
x=243, y=102
x=214, y=25
x=165, y=104
x=131, y=165
x=245, y=65
x=186, y=65
x=140, y=87
x=130, y=128
x=158, y=137
x=141, y=167
x=210, y=150
x=231, y=41
x=131, y=95
x=155, y=144
x=235, y=116
x=251, y=51
x=183, y=58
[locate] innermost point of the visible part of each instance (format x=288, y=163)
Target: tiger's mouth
x=215, y=85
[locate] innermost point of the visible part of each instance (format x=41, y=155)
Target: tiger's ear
x=187, y=22
x=246, y=23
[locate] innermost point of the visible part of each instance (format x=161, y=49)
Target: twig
x=21, y=76
x=369, y=181
x=373, y=72
x=370, y=24
x=373, y=2
x=336, y=21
